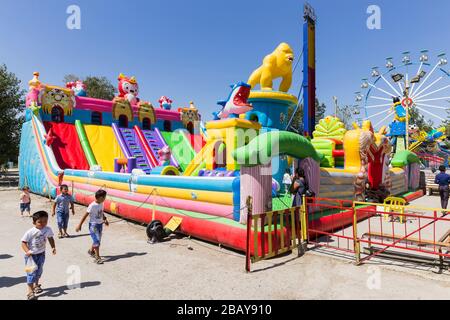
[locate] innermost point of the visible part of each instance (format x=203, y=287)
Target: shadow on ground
x=123, y=256
x=63, y=290
x=8, y=282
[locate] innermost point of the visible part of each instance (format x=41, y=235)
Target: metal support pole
x=249, y=229
x=407, y=113
x=356, y=243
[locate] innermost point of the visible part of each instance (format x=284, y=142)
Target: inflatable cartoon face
x=57, y=97
x=189, y=115
x=78, y=88
x=164, y=156
x=165, y=103
x=285, y=55
x=128, y=86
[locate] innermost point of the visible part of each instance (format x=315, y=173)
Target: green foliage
x=297, y=122
x=415, y=117
x=96, y=87
x=345, y=114
x=446, y=124
x=11, y=115
x=70, y=78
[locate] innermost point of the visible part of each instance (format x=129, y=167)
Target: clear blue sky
x=192, y=50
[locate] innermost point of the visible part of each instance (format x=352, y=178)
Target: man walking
x=443, y=180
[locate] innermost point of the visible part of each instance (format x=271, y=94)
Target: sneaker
x=38, y=289
x=91, y=253
x=98, y=260
x=31, y=296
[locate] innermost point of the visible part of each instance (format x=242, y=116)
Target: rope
x=155, y=190
x=183, y=213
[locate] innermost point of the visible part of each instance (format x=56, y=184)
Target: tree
x=297, y=122
x=416, y=118
x=99, y=87
x=70, y=78
x=11, y=117
x=446, y=123
x=321, y=108
x=345, y=114
x=96, y=87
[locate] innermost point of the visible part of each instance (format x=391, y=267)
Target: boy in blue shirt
x=61, y=207
x=443, y=180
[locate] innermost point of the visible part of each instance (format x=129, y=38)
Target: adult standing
x=298, y=187
x=443, y=180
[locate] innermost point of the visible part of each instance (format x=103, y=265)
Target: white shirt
x=36, y=239
x=287, y=179
x=95, y=211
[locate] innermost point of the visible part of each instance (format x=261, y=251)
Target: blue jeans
x=25, y=207
x=63, y=219
x=39, y=259
x=96, y=229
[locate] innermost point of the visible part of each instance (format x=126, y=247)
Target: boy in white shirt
x=287, y=181
x=33, y=243
x=96, y=219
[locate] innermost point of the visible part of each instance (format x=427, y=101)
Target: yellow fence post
x=356, y=243
x=303, y=221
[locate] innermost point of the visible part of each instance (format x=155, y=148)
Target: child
x=25, y=201
x=96, y=220
x=61, y=206
x=33, y=243
x=287, y=181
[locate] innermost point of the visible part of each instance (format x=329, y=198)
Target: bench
x=429, y=182
x=443, y=242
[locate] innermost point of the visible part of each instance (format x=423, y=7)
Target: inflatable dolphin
x=236, y=102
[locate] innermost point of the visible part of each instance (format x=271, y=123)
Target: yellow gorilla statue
x=275, y=65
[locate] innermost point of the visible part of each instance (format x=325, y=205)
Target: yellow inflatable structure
x=275, y=65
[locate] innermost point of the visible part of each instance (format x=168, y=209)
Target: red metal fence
x=363, y=230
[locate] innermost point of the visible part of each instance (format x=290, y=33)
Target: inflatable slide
x=181, y=148
x=104, y=153
x=66, y=146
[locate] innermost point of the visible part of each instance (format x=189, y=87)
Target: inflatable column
x=256, y=182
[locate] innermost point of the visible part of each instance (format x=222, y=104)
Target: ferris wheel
x=422, y=85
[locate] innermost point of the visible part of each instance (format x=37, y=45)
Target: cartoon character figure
x=164, y=156
x=33, y=99
x=275, y=65
x=63, y=98
x=128, y=88
x=236, y=103
x=78, y=88
x=165, y=103
x=400, y=111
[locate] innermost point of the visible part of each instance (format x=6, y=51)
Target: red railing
x=327, y=220
x=425, y=232
x=346, y=226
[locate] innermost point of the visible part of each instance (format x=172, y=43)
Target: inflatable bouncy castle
x=164, y=163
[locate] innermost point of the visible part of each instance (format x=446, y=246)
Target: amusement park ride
x=397, y=90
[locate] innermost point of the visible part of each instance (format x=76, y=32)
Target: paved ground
x=191, y=269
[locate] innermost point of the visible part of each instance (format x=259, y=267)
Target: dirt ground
x=184, y=268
